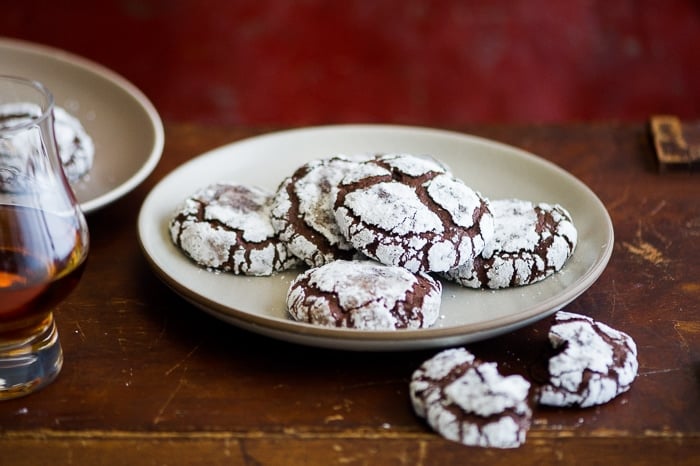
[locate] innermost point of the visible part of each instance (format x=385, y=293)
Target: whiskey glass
x=44, y=238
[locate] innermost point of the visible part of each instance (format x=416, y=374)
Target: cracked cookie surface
x=366, y=295
x=468, y=401
x=76, y=148
x=530, y=243
x=408, y=211
x=302, y=211
x=226, y=227
x=595, y=362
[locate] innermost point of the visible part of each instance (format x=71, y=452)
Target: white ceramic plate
x=124, y=125
x=494, y=169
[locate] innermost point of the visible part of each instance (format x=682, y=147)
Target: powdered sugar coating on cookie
x=226, y=227
x=408, y=211
x=302, y=211
x=75, y=146
x=365, y=295
x=424, y=384
x=469, y=401
x=596, y=362
x=530, y=242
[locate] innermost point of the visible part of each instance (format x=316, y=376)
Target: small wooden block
x=677, y=144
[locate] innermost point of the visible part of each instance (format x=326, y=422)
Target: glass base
x=30, y=365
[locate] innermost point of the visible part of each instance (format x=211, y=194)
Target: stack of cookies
x=373, y=238
x=376, y=234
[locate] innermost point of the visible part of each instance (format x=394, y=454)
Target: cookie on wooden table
x=530, y=242
x=364, y=294
x=302, y=211
x=408, y=211
x=468, y=401
x=595, y=362
x=226, y=227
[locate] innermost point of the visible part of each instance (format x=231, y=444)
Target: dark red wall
x=449, y=62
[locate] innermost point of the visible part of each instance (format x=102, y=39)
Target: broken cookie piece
x=468, y=401
x=595, y=363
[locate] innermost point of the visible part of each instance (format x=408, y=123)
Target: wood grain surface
x=150, y=379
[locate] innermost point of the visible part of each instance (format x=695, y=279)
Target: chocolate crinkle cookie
x=468, y=401
x=595, y=363
x=408, y=211
x=530, y=242
x=226, y=227
x=365, y=295
x=302, y=211
x=75, y=146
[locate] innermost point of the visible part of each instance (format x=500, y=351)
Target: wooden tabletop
x=150, y=379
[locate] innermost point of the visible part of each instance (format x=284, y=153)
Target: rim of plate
x=402, y=339
x=151, y=161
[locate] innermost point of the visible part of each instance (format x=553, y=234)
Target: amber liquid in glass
x=41, y=261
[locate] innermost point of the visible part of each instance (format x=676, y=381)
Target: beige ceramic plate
x=497, y=170
x=124, y=125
